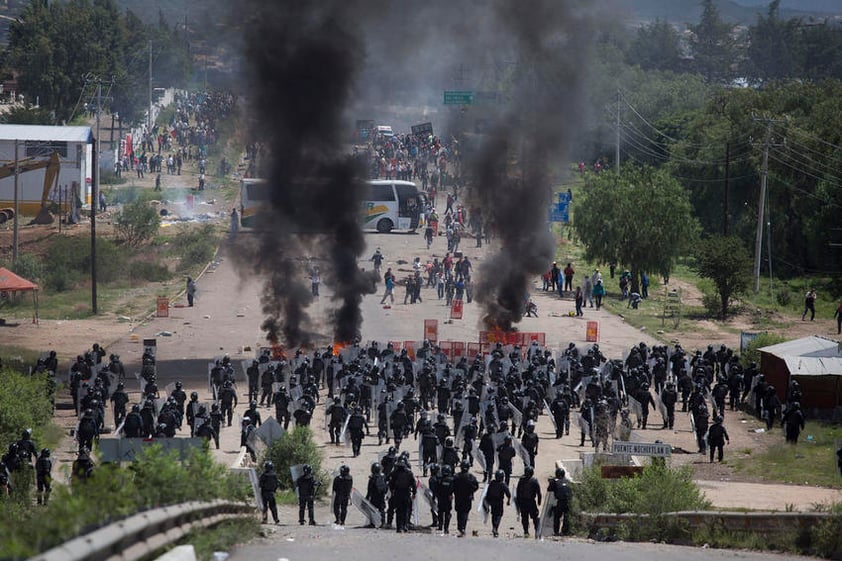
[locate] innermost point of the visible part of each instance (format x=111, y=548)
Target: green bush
x=712, y=304
x=195, y=246
x=137, y=223
x=149, y=271
x=826, y=536
x=24, y=403
x=69, y=261
x=296, y=447
x=657, y=490
x=29, y=266
x=114, y=492
x=784, y=297
x=752, y=354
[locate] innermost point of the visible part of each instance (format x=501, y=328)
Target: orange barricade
x=410, y=349
x=431, y=330
x=592, y=332
x=447, y=349
x=458, y=350
x=456, y=309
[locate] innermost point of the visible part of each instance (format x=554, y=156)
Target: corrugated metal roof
x=43, y=133
x=809, y=356
x=810, y=366
x=813, y=346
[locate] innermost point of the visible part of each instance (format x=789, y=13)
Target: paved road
x=227, y=317
x=327, y=543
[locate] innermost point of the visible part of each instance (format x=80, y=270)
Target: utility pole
x=727, y=189
x=95, y=198
x=149, y=114
x=761, y=205
x=617, y=147
x=17, y=209
x=95, y=160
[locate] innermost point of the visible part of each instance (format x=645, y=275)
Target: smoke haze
x=314, y=67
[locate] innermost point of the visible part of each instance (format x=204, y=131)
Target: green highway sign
x=458, y=97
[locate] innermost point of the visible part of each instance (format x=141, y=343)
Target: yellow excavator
x=52, y=167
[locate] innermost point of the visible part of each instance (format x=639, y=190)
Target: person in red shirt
x=569, y=272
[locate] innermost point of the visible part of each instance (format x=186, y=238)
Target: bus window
x=257, y=192
x=382, y=192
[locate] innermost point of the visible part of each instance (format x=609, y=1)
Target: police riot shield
x=517, y=417
x=345, y=435
x=545, y=522
x=550, y=415
x=426, y=494
x=295, y=472
x=483, y=507
x=584, y=425
x=367, y=509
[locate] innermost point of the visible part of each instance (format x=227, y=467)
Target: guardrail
x=143, y=534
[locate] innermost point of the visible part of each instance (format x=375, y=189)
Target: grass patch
x=221, y=537
x=810, y=462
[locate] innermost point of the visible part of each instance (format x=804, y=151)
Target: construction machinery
x=52, y=166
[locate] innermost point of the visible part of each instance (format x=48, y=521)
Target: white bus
x=254, y=194
x=388, y=204
x=393, y=205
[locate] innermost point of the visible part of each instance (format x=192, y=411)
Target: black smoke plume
x=303, y=58
x=548, y=41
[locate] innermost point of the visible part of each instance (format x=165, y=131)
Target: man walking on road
x=389, y=280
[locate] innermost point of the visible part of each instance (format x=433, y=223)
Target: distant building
x=816, y=364
x=36, y=144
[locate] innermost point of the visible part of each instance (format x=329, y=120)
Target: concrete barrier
x=755, y=522
x=179, y=553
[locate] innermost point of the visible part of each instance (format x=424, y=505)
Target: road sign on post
x=458, y=97
x=657, y=449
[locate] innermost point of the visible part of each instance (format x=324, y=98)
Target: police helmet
x=434, y=468
x=718, y=419
x=499, y=475
x=45, y=452
x=448, y=441
x=194, y=395
x=121, y=386
x=528, y=471
x=267, y=466
x=392, y=451
x=559, y=473
x=307, y=469
x=446, y=470
x=178, y=385
x=344, y=470
x=253, y=404
x=465, y=466
x=135, y=408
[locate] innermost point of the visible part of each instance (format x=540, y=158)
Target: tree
x=657, y=46
x=712, y=46
x=725, y=261
x=776, y=47
x=137, y=223
x=641, y=219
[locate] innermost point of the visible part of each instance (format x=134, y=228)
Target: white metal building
x=36, y=144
